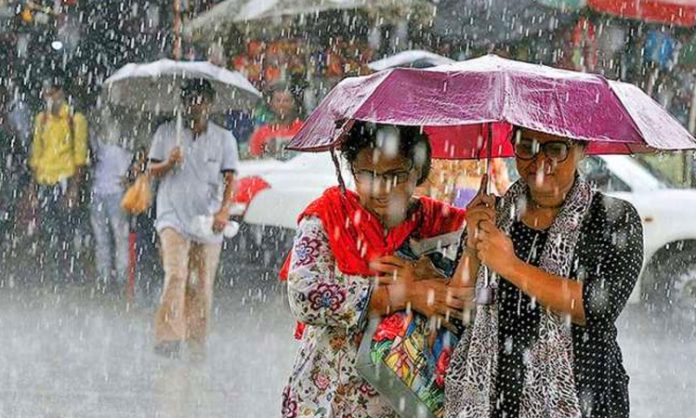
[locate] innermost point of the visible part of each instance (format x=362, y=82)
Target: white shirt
x=195, y=187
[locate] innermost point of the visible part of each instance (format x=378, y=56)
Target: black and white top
x=608, y=260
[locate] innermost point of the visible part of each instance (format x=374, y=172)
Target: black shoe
x=168, y=349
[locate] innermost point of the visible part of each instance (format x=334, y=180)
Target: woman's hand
x=437, y=300
x=399, y=275
x=414, y=284
x=495, y=249
x=480, y=209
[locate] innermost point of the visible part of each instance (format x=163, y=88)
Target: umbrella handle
x=486, y=296
x=489, y=158
x=179, y=127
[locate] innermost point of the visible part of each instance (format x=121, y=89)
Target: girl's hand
x=437, y=300
x=399, y=275
x=414, y=284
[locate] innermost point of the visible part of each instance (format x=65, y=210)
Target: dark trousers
x=58, y=229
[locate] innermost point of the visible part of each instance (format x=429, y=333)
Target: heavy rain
x=347, y=208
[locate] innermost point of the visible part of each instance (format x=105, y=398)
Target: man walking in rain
x=196, y=165
x=57, y=161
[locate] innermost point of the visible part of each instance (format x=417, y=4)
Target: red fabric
x=268, y=132
x=247, y=188
x=132, y=260
x=357, y=237
x=299, y=330
x=585, y=39
x=677, y=12
x=451, y=142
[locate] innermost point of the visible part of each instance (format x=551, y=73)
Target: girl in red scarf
x=342, y=268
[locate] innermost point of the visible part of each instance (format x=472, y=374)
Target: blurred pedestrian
x=112, y=158
x=12, y=163
x=18, y=114
x=148, y=269
x=241, y=123
x=196, y=165
x=278, y=125
x=57, y=160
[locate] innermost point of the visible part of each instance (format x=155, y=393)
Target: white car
x=291, y=186
x=669, y=277
x=668, y=281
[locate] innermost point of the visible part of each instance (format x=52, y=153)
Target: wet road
x=69, y=353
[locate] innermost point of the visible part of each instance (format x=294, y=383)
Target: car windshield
x=636, y=175
x=659, y=175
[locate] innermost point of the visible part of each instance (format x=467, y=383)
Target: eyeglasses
x=528, y=149
x=391, y=177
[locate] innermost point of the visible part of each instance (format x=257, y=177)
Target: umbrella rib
x=337, y=139
x=374, y=94
x=506, y=84
x=630, y=117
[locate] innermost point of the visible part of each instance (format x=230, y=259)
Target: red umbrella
x=675, y=12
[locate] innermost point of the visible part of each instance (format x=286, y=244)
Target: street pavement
x=70, y=352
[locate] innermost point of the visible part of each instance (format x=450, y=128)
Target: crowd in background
x=44, y=195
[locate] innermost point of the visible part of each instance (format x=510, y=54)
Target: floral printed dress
x=324, y=381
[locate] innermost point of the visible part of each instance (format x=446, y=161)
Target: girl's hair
x=413, y=144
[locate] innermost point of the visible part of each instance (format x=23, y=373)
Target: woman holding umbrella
x=567, y=259
x=553, y=261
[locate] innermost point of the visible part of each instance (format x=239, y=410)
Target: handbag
x=401, y=355
x=138, y=197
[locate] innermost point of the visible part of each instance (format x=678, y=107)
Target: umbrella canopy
x=483, y=23
x=564, y=4
x=215, y=18
x=236, y=11
x=675, y=12
x=458, y=103
x=413, y=58
x=156, y=86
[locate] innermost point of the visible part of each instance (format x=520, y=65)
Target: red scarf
x=356, y=236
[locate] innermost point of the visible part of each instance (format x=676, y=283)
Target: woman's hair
x=412, y=142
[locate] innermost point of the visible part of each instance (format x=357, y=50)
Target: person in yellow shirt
x=57, y=160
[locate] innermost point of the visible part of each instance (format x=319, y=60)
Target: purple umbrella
x=461, y=103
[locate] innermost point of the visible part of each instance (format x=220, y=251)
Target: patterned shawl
x=549, y=384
